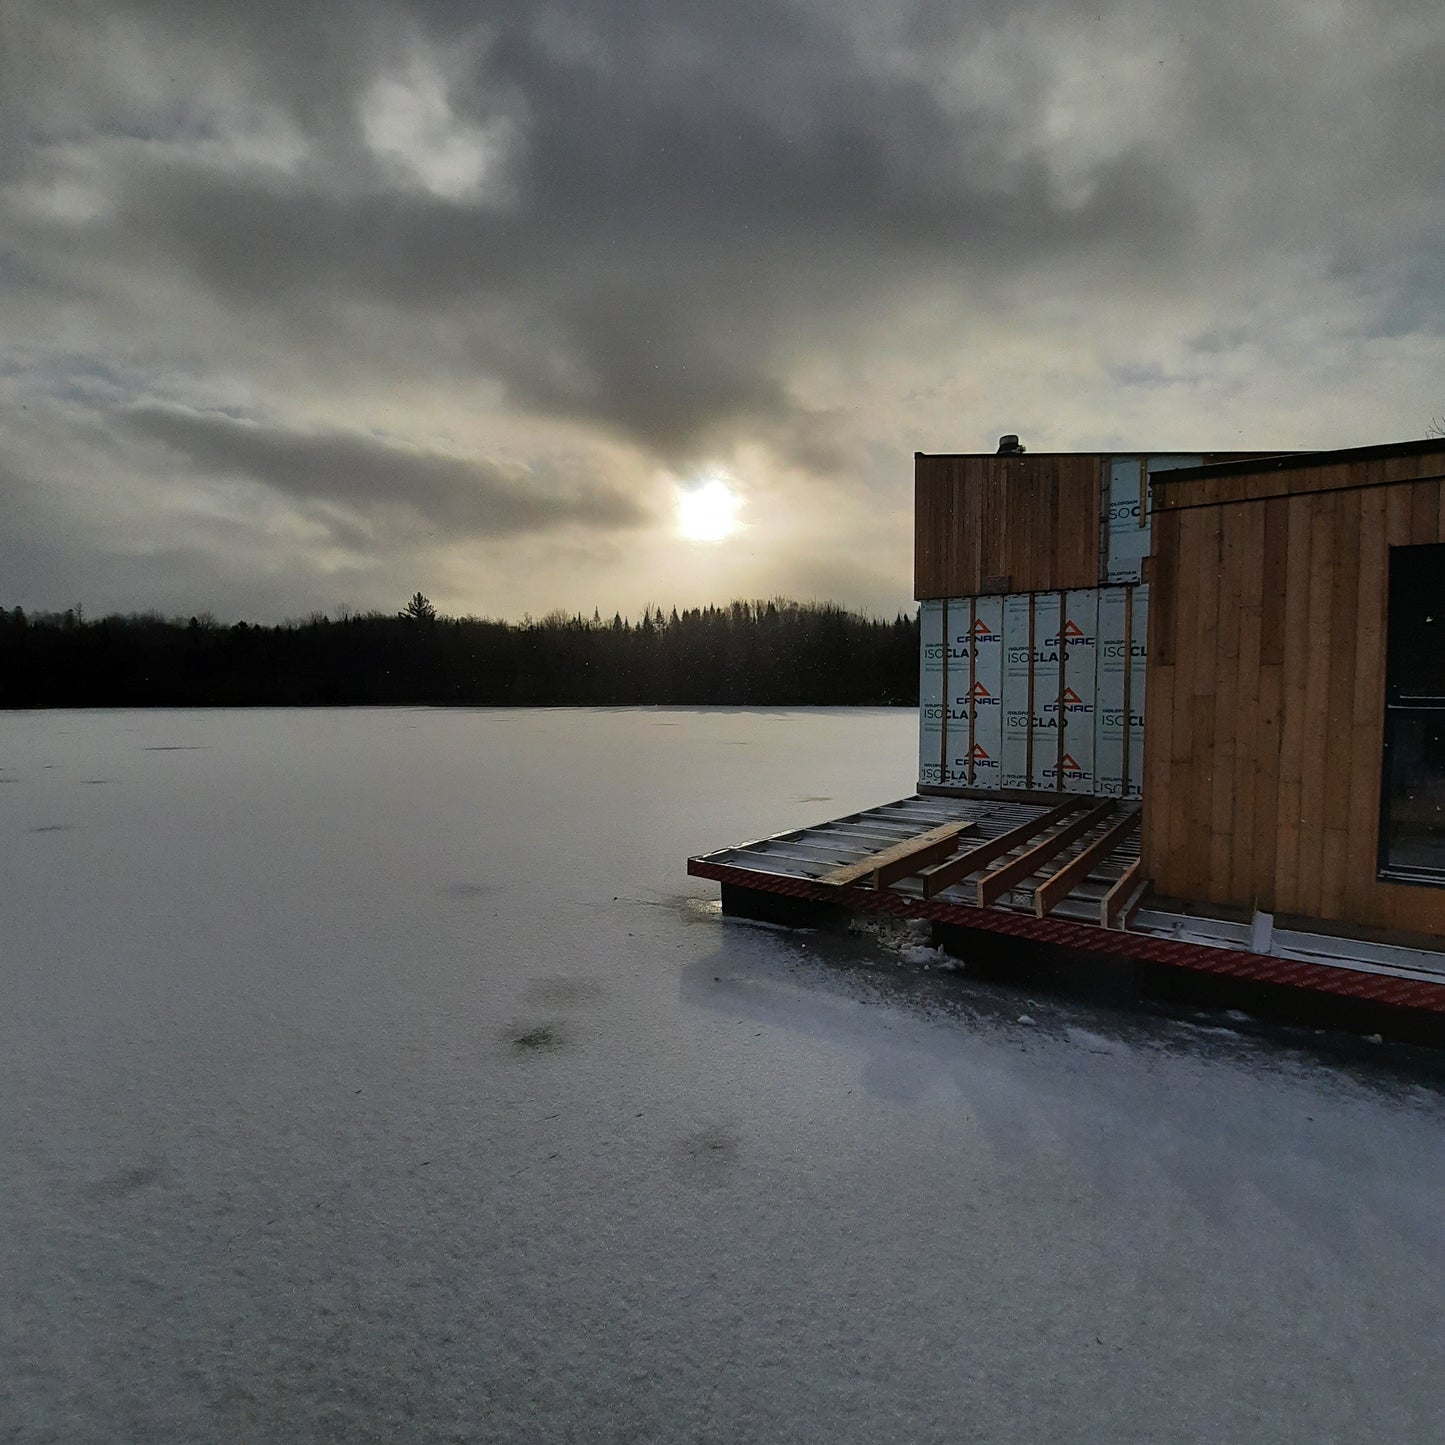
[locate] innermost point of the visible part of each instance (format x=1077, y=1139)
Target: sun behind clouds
x=707, y=510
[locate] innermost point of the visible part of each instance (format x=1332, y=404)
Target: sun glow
x=707, y=511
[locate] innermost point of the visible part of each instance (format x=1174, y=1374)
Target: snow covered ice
x=379, y=1074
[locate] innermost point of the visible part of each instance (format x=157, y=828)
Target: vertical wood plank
x=1367, y=706
x=1181, y=736
x=1235, y=525
x=1203, y=680
x=1424, y=512
x=1242, y=888
x=1266, y=787
x=1276, y=573
x=1292, y=704
x=1316, y=703
x=1164, y=592
x=1157, y=803
x=1338, y=756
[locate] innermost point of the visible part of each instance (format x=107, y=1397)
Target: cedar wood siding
x=1266, y=684
x=1005, y=524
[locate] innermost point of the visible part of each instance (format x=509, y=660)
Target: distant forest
x=775, y=654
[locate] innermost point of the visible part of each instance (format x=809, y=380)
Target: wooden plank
x=1112, y=903
x=925, y=530
x=1415, y=910
x=1339, y=762
x=1292, y=705
x=1193, y=534
x=900, y=859
x=1424, y=512
x=1266, y=787
x=993, y=885
x=1367, y=708
x=1062, y=883
x=1200, y=795
x=1239, y=525
x=1240, y=865
x=1154, y=840
x=966, y=479
x=944, y=875
x=1163, y=591
x=1276, y=573
x=1320, y=580
x=1193, y=842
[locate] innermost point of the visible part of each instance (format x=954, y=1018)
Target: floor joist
x=902, y=859
x=945, y=875
x=993, y=885
x=1062, y=883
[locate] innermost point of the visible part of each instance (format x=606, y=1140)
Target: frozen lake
x=380, y=1074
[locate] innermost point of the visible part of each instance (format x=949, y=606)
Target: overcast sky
x=310, y=306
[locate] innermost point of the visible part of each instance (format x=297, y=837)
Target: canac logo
x=981, y=759
x=981, y=696
x=1067, y=768
x=1070, y=635
x=1072, y=702
x=980, y=631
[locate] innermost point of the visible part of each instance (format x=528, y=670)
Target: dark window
x=1412, y=805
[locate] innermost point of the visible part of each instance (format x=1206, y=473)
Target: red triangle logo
x=976, y=752
x=1071, y=630
x=1068, y=765
x=1071, y=697
x=980, y=628
x=979, y=690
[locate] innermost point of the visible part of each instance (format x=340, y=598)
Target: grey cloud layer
x=470, y=498
x=700, y=193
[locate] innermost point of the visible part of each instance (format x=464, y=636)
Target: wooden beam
x=901, y=859
x=993, y=886
x=1114, y=900
x=1052, y=890
x=936, y=879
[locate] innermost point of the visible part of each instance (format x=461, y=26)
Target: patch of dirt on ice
x=708, y=1157
x=469, y=890
x=544, y=1039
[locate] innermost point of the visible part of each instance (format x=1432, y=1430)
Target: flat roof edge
x=1288, y=461
x=1110, y=452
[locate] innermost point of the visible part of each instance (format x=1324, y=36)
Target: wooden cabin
x=1254, y=643
x=1182, y=713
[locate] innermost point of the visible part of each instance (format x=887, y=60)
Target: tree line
x=753, y=653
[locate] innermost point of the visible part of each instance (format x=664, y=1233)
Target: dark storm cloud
x=467, y=497
x=699, y=193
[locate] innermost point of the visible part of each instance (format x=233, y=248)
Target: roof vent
x=1010, y=446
